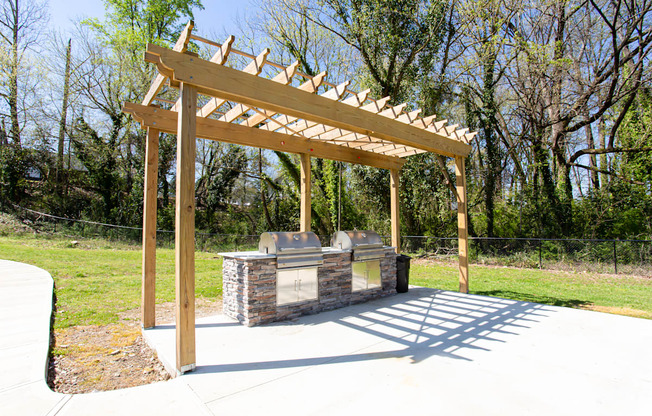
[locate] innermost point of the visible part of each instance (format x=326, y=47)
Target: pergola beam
x=166, y=121
x=254, y=68
x=159, y=80
x=299, y=126
x=282, y=121
x=231, y=84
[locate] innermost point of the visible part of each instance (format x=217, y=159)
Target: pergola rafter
x=313, y=119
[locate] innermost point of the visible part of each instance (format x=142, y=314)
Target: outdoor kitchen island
x=285, y=282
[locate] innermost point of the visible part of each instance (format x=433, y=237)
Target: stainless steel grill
x=366, y=251
x=365, y=245
x=300, y=249
x=298, y=256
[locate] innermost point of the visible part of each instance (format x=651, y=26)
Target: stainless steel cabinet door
x=295, y=285
x=373, y=274
x=308, y=286
x=365, y=275
x=286, y=287
x=359, y=275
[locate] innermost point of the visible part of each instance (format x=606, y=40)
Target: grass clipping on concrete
x=98, y=345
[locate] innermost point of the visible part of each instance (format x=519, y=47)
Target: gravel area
x=86, y=359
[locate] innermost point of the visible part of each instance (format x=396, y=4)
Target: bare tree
x=577, y=62
x=62, y=121
x=21, y=22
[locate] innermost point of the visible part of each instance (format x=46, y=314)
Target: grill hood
x=292, y=249
x=365, y=245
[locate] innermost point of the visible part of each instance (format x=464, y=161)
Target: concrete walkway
x=424, y=352
x=25, y=310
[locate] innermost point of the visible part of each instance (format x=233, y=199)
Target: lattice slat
x=296, y=124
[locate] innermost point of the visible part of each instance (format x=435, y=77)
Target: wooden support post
x=305, y=193
x=185, y=230
x=395, y=227
x=148, y=301
x=462, y=224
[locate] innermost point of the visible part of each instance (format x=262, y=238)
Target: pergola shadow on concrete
x=314, y=119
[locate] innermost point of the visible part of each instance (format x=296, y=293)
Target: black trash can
x=402, y=273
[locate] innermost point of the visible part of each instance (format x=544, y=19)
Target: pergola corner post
x=394, y=209
x=185, y=230
x=148, y=300
x=462, y=224
x=306, y=204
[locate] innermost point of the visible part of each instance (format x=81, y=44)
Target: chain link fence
x=591, y=255
x=601, y=256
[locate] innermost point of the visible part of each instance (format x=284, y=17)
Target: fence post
x=540, y=256
x=615, y=259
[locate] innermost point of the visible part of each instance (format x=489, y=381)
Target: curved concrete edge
x=25, y=312
x=26, y=301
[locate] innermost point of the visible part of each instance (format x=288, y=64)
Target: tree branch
x=606, y=172
x=607, y=150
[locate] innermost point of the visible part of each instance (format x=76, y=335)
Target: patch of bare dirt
x=85, y=359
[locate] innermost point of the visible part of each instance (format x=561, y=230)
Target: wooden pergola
x=247, y=109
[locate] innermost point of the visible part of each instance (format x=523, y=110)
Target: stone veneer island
x=250, y=278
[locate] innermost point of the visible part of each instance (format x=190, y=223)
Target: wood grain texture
x=231, y=84
x=185, y=230
x=462, y=224
x=304, y=222
x=394, y=185
x=159, y=80
x=148, y=289
x=166, y=121
x=254, y=68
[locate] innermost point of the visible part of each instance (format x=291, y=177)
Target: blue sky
x=216, y=16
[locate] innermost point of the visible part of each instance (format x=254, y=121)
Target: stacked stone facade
x=249, y=287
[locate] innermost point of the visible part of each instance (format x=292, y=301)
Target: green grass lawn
x=97, y=279
x=628, y=295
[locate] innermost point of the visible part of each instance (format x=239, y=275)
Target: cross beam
x=207, y=128
x=231, y=84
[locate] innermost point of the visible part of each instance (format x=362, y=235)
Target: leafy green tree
x=214, y=188
x=13, y=165
x=100, y=157
x=111, y=72
x=396, y=39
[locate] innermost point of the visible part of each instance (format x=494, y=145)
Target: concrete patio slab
x=426, y=351
x=423, y=352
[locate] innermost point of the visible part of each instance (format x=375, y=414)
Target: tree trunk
x=603, y=157
x=488, y=123
x=263, y=198
x=593, y=161
x=62, y=121
x=13, y=79
x=551, y=203
x=3, y=134
x=559, y=132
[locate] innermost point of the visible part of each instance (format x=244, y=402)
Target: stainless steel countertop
x=253, y=255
